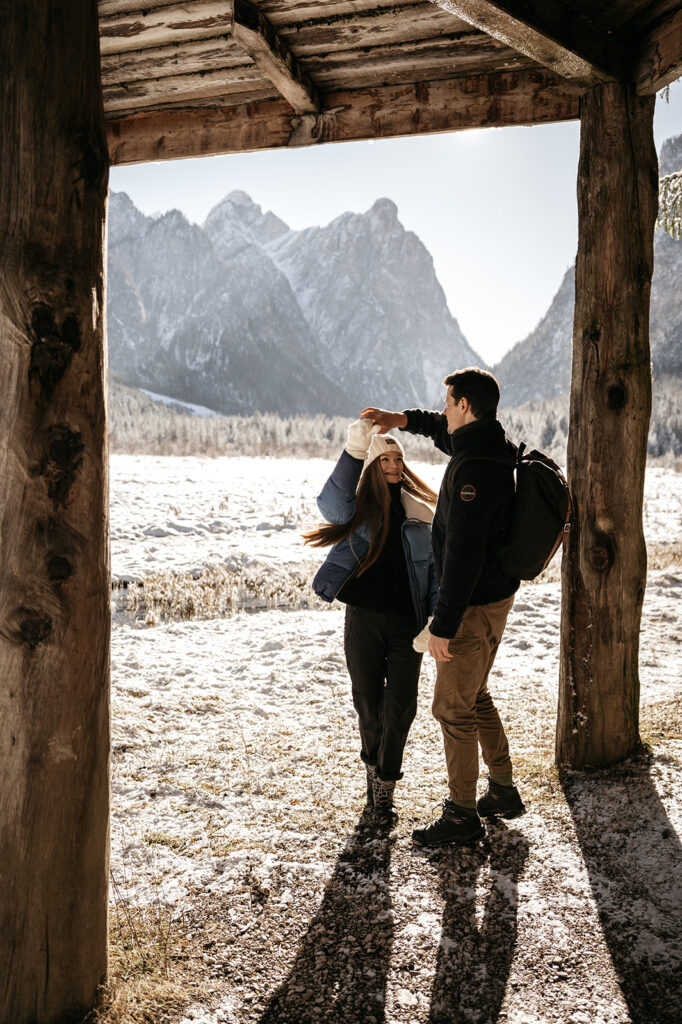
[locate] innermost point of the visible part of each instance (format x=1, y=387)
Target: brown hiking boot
x=500, y=800
x=384, y=811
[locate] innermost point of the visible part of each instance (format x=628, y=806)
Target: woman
x=381, y=567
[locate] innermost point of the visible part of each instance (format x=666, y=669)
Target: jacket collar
x=478, y=435
x=415, y=508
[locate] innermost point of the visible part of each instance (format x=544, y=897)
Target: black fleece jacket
x=472, y=516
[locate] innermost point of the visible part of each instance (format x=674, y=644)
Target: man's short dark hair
x=480, y=389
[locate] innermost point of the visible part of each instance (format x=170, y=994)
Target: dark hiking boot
x=456, y=825
x=384, y=811
x=500, y=800
x=371, y=775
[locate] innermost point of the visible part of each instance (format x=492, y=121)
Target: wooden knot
x=34, y=628
x=53, y=347
x=602, y=553
x=65, y=449
x=593, y=333
x=59, y=569
x=616, y=396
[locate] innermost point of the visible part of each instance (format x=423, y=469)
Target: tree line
x=141, y=425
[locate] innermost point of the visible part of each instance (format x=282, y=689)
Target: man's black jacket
x=472, y=517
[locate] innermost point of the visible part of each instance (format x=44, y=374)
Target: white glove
x=421, y=641
x=359, y=436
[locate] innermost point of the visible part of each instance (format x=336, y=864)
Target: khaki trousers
x=462, y=704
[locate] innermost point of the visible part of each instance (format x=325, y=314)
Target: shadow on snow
x=634, y=861
x=341, y=968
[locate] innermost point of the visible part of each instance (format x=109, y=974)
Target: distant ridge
x=539, y=367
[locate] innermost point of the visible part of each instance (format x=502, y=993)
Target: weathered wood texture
x=530, y=97
x=54, y=571
x=604, y=569
x=660, y=59
x=194, y=57
x=548, y=32
x=157, y=26
x=262, y=43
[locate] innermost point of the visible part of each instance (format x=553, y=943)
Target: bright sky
x=496, y=208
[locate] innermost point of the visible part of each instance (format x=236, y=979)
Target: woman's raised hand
x=358, y=438
x=384, y=419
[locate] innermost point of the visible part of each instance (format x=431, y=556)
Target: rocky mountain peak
x=237, y=221
x=384, y=212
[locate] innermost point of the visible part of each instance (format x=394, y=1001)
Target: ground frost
x=238, y=795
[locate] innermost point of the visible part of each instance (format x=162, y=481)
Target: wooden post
x=604, y=569
x=54, y=561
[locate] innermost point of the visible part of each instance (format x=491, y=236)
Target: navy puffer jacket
x=336, y=502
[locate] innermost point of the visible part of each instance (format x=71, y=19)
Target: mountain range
x=244, y=314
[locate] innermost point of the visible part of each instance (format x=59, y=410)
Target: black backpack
x=542, y=511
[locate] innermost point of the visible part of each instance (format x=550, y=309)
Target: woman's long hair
x=372, y=506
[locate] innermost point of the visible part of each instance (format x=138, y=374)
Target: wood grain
x=604, y=568
x=54, y=562
x=524, y=97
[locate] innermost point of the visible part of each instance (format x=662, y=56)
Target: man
x=475, y=596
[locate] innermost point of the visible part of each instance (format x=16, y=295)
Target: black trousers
x=384, y=672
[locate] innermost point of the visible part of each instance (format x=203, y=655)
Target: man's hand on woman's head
x=384, y=419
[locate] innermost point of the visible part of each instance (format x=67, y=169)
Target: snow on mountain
x=540, y=365
x=244, y=314
x=369, y=292
x=237, y=221
x=213, y=325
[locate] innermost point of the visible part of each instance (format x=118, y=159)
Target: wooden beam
x=550, y=33
x=604, y=569
x=177, y=23
x=183, y=89
x=262, y=43
x=54, y=562
x=660, y=56
x=524, y=97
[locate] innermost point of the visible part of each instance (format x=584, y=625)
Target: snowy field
x=237, y=789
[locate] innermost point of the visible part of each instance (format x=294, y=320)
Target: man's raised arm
x=416, y=421
x=384, y=419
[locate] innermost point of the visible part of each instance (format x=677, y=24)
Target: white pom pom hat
x=383, y=444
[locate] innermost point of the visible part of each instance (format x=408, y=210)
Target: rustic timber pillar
x=54, y=571
x=604, y=569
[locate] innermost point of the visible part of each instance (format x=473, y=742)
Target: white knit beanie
x=383, y=444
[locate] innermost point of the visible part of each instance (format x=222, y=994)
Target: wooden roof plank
x=660, y=57
x=256, y=35
x=513, y=98
x=195, y=55
x=370, y=28
x=181, y=88
x=137, y=30
x=288, y=12
x=548, y=32
x=419, y=61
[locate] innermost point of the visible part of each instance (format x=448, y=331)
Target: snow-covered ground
x=235, y=771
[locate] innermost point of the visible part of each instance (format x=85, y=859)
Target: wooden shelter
x=85, y=85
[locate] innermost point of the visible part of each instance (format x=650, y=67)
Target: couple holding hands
x=420, y=572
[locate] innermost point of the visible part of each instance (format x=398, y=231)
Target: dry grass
x=152, y=957
x=214, y=592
